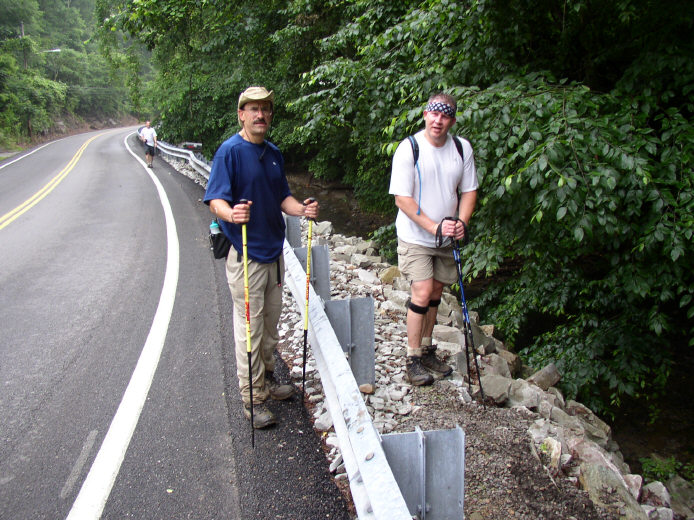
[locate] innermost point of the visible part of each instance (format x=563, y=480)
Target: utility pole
x=24, y=49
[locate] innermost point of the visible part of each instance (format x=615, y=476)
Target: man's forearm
x=293, y=207
x=222, y=209
x=467, y=206
x=409, y=206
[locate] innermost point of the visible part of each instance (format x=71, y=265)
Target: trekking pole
x=467, y=326
x=308, y=284
x=248, y=320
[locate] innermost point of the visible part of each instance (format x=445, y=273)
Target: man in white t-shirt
x=426, y=193
x=149, y=136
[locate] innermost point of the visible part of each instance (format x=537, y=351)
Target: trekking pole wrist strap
x=439, y=230
x=466, y=236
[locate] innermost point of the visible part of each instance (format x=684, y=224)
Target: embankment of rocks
x=567, y=437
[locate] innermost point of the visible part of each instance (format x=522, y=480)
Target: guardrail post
x=429, y=467
x=353, y=323
x=320, y=268
x=293, y=230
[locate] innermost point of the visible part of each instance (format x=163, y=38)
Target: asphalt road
x=118, y=393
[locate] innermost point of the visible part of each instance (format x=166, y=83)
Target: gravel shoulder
x=503, y=477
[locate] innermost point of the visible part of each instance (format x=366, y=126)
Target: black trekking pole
x=467, y=326
x=308, y=284
x=248, y=320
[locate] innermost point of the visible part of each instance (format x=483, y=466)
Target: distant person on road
x=441, y=184
x=148, y=135
x=246, y=166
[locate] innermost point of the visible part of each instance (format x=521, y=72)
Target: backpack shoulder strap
x=415, y=148
x=415, y=155
x=459, y=147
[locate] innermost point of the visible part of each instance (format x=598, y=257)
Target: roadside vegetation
x=52, y=75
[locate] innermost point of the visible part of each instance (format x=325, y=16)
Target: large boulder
x=495, y=364
x=496, y=388
x=389, y=274
x=545, y=378
x=521, y=393
x=606, y=488
x=324, y=227
x=512, y=361
x=681, y=497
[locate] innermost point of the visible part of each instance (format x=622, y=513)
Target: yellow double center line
x=11, y=216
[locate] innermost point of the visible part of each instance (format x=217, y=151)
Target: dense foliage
x=50, y=68
x=580, y=114
x=663, y=469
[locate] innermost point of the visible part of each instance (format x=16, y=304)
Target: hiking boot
x=262, y=417
x=416, y=373
x=431, y=362
x=278, y=392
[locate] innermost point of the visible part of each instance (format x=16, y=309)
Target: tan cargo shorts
x=418, y=263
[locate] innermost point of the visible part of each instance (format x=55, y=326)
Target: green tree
x=50, y=68
x=18, y=15
x=9, y=119
x=38, y=101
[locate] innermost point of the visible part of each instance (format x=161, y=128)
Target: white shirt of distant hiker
x=148, y=134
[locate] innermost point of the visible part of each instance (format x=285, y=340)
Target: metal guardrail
x=199, y=166
x=375, y=492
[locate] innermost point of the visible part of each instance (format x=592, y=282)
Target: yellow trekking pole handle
x=308, y=270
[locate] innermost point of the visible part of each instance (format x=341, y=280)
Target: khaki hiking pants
x=265, y=298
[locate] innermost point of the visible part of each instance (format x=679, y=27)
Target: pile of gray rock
x=568, y=438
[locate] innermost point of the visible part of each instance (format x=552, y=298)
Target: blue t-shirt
x=255, y=172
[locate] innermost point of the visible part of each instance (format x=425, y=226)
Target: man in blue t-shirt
x=246, y=166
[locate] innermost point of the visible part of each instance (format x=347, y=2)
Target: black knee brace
x=434, y=303
x=417, y=308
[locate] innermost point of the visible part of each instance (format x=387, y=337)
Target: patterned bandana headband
x=438, y=106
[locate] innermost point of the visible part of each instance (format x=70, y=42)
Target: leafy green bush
x=386, y=240
x=662, y=469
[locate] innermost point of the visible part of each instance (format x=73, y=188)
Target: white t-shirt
x=442, y=174
x=148, y=134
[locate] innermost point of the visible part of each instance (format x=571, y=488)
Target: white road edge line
x=91, y=500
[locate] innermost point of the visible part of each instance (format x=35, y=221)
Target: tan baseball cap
x=256, y=94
